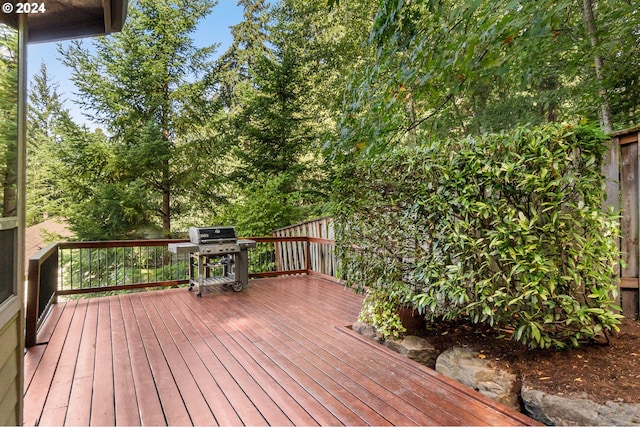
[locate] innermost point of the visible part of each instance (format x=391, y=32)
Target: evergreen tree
x=250, y=38
x=273, y=133
x=45, y=110
x=97, y=202
x=283, y=90
x=146, y=86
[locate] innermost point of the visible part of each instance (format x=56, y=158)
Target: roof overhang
x=67, y=19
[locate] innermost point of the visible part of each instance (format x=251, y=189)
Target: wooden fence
x=624, y=162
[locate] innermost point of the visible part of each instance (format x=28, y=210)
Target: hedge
x=505, y=229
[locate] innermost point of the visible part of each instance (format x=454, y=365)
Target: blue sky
x=213, y=29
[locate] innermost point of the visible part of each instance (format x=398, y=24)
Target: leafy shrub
x=504, y=229
x=380, y=309
x=269, y=203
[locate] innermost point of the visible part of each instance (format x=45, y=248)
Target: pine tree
x=45, y=110
x=145, y=85
x=250, y=38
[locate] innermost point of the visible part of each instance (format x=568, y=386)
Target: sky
x=213, y=29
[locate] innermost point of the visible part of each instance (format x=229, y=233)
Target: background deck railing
x=73, y=268
x=321, y=242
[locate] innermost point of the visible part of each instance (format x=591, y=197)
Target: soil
x=597, y=371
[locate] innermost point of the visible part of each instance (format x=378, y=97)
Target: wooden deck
x=278, y=353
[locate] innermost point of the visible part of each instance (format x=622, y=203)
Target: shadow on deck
x=278, y=353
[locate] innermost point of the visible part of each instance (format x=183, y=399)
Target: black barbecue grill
x=221, y=258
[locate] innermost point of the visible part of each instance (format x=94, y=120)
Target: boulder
x=366, y=330
x=466, y=366
x=571, y=411
x=415, y=348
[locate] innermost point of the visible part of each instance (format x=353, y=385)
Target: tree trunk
x=166, y=191
x=166, y=172
x=611, y=161
x=590, y=24
x=166, y=202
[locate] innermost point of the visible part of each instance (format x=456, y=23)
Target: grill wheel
x=237, y=286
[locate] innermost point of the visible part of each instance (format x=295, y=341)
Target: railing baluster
x=90, y=273
x=116, y=264
x=98, y=255
x=106, y=266
x=81, y=275
x=71, y=270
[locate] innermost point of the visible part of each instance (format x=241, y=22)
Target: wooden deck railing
x=320, y=245
x=71, y=268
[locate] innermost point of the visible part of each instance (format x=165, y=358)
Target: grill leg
x=241, y=267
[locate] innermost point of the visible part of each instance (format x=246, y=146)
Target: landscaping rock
x=415, y=348
x=463, y=365
x=366, y=330
x=563, y=411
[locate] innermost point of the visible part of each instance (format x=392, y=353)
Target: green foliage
x=84, y=167
x=45, y=113
x=268, y=204
x=250, y=38
x=380, y=309
x=281, y=98
x=150, y=86
x=505, y=229
x=448, y=68
x=188, y=140
x=272, y=134
x=8, y=121
x=113, y=211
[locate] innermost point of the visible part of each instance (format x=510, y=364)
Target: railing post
x=307, y=255
x=35, y=305
x=31, y=320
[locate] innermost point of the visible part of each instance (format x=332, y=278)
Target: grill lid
x=212, y=235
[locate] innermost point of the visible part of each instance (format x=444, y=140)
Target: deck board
x=79, y=405
x=350, y=387
x=60, y=388
x=33, y=357
x=278, y=353
x=103, y=398
x=329, y=345
x=173, y=406
x=336, y=361
x=125, y=398
x=410, y=391
x=147, y=397
x=220, y=406
x=209, y=350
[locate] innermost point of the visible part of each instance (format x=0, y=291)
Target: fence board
x=629, y=180
x=629, y=220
